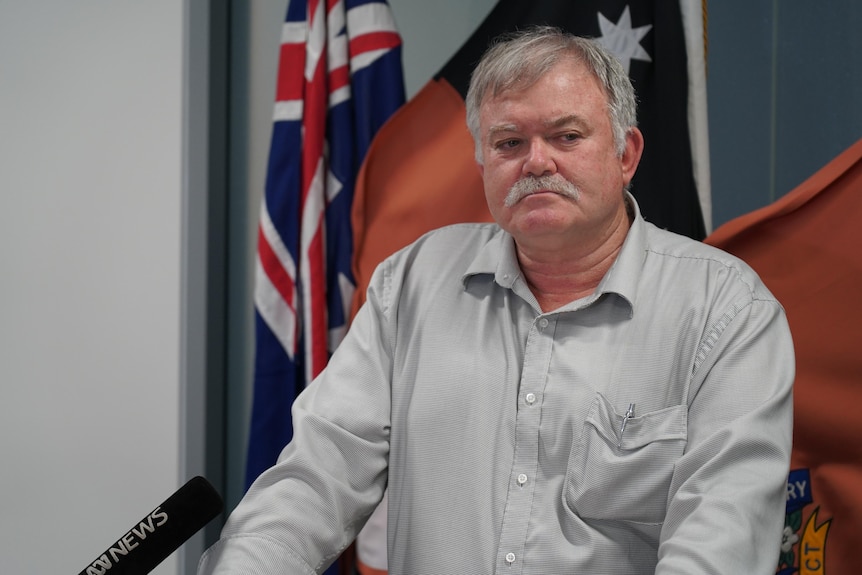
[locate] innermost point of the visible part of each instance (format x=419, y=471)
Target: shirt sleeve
x=726, y=504
x=299, y=515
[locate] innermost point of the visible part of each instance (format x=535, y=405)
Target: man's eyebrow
x=503, y=128
x=566, y=121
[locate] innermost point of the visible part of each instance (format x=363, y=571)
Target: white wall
x=93, y=368
x=90, y=253
x=432, y=32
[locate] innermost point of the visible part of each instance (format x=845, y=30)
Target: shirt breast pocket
x=624, y=478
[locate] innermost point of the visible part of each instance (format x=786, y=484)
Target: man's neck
x=566, y=273
x=556, y=285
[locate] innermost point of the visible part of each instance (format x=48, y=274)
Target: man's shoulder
x=671, y=244
x=697, y=255
x=461, y=237
x=463, y=230
x=437, y=260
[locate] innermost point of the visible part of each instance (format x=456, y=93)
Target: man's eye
x=570, y=137
x=508, y=144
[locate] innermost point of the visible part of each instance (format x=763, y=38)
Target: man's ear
x=632, y=154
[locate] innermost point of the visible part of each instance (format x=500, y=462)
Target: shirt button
x=510, y=558
x=522, y=479
x=543, y=323
x=530, y=398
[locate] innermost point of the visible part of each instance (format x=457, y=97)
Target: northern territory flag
x=420, y=171
x=806, y=248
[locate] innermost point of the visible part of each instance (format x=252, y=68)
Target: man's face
x=560, y=128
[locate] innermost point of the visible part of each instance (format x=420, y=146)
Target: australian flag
x=340, y=78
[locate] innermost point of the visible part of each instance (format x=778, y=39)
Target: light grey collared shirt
x=499, y=429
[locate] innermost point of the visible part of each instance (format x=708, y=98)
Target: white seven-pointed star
x=622, y=40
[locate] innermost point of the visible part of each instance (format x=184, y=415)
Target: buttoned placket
x=516, y=517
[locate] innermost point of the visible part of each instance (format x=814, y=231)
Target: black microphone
x=161, y=532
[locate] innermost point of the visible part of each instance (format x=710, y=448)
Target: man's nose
x=540, y=159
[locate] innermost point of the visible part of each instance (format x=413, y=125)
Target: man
x=570, y=391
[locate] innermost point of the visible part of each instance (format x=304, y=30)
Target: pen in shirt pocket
x=629, y=414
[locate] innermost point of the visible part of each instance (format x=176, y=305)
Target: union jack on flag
x=339, y=79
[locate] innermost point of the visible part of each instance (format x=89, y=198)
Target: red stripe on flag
x=314, y=130
x=289, y=84
x=373, y=41
x=278, y=276
x=317, y=348
x=313, y=124
x=312, y=12
x=339, y=78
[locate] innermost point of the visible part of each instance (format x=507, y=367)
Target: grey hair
x=518, y=60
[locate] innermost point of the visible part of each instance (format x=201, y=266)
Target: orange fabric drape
x=419, y=175
x=807, y=247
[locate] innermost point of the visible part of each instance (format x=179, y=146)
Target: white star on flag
x=623, y=40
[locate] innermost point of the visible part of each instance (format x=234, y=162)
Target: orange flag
x=392, y=206
x=807, y=247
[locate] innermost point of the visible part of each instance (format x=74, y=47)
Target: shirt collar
x=497, y=257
